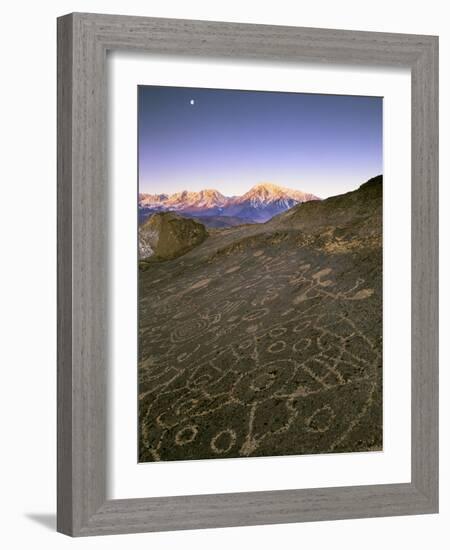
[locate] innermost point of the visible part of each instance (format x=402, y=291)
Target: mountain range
x=258, y=205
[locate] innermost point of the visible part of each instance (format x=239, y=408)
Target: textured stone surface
x=267, y=339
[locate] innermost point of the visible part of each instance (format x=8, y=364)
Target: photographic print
x=259, y=273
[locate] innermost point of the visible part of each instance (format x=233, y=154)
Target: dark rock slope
x=266, y=339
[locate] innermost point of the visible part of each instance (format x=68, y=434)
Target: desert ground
x=266, y=339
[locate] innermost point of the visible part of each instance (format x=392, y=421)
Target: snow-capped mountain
x=207, y=198
x=259, y=204
x=266, y=193
x=265, y=200
x=151, y=201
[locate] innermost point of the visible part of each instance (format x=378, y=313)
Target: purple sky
x=230, y=140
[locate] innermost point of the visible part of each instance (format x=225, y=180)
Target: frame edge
x=64, y=274
x=425, y=273
x=82, y=506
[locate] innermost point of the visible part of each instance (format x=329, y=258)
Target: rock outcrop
x=167, y=235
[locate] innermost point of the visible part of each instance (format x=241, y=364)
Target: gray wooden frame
x=83, y=40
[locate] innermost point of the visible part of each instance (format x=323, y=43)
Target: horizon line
x=251, y=187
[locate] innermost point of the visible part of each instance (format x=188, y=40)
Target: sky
x=231, y=140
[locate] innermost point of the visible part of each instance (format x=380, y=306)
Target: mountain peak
x=271, y=192
x=211, y=192
x=266, y=186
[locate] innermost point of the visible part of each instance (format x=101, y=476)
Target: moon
x=192, y=101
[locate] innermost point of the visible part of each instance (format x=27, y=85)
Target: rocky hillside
x=343, y=219
x=222, y=222
x=339, y=211
x=266, y=339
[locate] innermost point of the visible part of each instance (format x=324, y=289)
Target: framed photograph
x=247, y=274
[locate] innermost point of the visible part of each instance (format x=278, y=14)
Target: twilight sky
x=196, y=138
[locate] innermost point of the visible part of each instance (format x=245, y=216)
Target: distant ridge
x=259, y=204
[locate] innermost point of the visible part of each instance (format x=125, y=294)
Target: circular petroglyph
x=278, y=331
x=203, y=375
x=321, y=419
x=223, y=441
x=167, y=419
x=277, y=347
x=302, y=326
x=262, y=382
x=186, y=435
x=302, y=344
x=188, y=330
